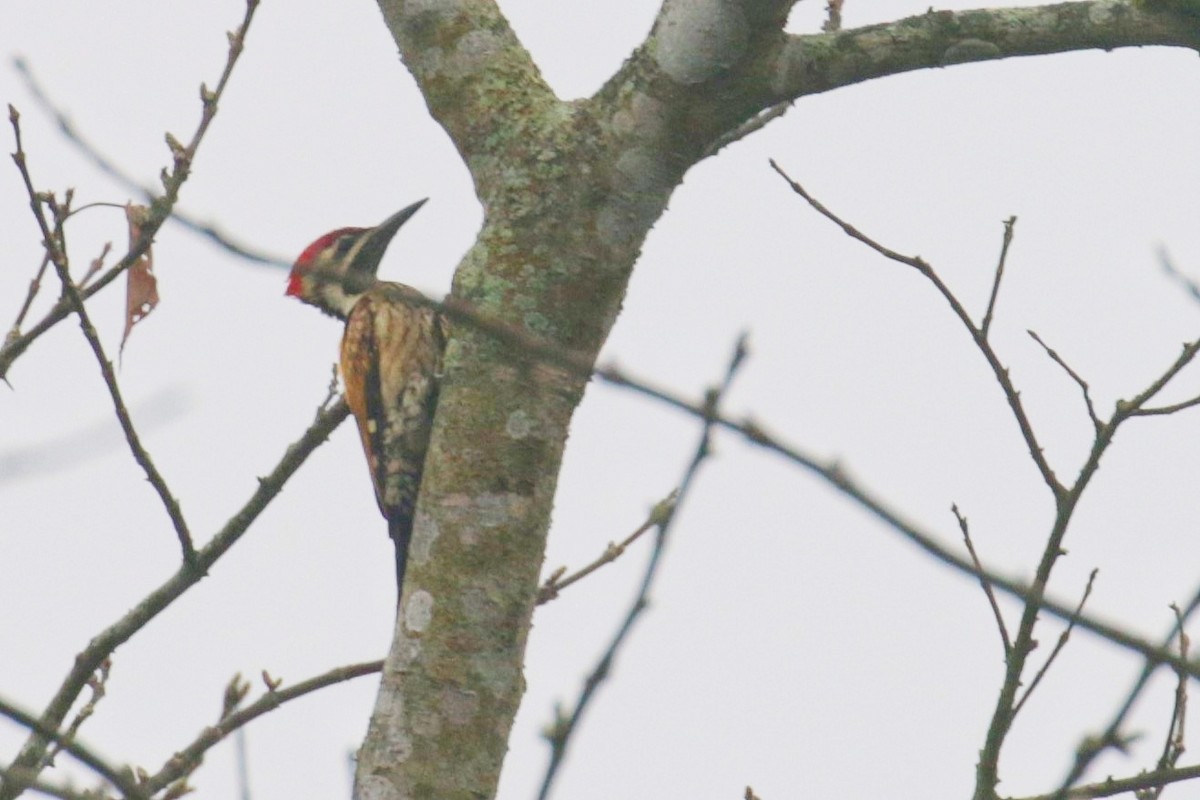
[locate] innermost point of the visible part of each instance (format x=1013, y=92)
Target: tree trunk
x=570, y=191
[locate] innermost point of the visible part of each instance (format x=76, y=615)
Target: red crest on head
x=323, y=243
x=305, y=261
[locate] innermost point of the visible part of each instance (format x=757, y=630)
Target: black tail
x=400, y=529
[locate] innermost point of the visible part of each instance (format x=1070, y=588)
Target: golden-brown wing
x=391, y=362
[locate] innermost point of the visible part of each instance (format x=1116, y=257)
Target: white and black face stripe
x=333, y=299
x=343, y=246
x=326, y=279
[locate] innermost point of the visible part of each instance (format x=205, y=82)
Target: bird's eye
x=343, y=245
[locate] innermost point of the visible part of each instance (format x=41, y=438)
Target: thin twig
x=565, y=726
x=97, y=684
x=752, y=125
x=35, y=286
x=96, y=265
x=185, y=761
x=1174, y=745
x=1135, y=407
x=556, y=582
x=57, y=254
x=987, y=587
x=1059, y=645
x=986, y=325
x=1083, y=385
x=1163, y=410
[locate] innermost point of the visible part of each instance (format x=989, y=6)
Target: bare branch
x=987, y=587
x=451, y=83
x=185, y=761
x=97, y=684
x=96, y=265
x=1164, y=410
x=1058, y=647
x=56, y=252
x=752, y=125
x=35, y=286
x=1134, y=407
x=991, y=306
x=556, y=582
x=1174, y=746
x=1087, y=397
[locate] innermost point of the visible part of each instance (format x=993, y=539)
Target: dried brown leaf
x=141, y=287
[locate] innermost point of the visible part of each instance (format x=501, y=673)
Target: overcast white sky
x=793, y=644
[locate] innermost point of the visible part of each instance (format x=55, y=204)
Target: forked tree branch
x=1065, y=497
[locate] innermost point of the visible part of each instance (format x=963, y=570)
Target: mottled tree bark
x=570, y=190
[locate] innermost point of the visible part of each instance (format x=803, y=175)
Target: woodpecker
x=391, y=361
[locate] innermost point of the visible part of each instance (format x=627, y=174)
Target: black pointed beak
x=378, y=238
